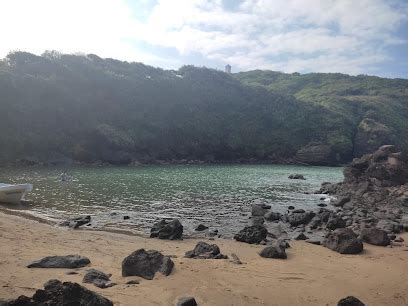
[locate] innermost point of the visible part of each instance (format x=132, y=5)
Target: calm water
x=216, y=195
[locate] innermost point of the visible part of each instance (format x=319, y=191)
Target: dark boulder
x=201, y=227
x=252, y=234
x=205, y=251
x=350, y=301
x=343, y=241
x=67, y=293
x=146, y=263
x=375, y=236
x=187, y=301
x=273, y=251
x=68, y=261
x=299, y=218
x=98, y=278
x=167, y=230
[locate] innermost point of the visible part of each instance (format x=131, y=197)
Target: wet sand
x=312, y=275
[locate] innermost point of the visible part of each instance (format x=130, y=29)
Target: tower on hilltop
x=228, y=68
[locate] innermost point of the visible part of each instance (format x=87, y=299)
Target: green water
x=216, y=195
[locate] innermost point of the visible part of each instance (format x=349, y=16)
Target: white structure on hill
x=228, y=68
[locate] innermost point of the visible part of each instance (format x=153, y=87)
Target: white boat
x=10, y=193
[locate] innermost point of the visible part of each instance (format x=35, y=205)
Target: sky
x=346, y=36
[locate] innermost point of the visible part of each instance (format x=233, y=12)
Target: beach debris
x=98, y=278
x=235, y=259
x=187, y=301
x=296, y=176
x=343, y=241
x=273, y=251
x=201, y=227
x=252, y=234
x=146, y=263
x=171, y=230
x=375, y=236
x=57, y=293
x=204, y=250
x=68, y=261
x=350, y=301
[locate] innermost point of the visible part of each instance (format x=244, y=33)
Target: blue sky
x=348, y=36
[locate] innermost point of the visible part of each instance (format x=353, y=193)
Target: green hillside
x=60, y=107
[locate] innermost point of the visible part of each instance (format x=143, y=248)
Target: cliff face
x=371, y=135
x=61, y=107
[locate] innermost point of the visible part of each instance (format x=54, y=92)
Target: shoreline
x=299, y=280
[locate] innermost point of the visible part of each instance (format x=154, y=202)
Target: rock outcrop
x=58, y=293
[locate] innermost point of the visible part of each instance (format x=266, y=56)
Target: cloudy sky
x=348, y=36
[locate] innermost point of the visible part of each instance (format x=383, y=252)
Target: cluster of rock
x=371, y=206
x=57, y=293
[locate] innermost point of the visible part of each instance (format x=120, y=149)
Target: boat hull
x=14, y=193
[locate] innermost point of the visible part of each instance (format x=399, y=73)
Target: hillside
x=59, y=107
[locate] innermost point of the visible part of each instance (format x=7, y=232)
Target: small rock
x=290, y=207
x=399, y=239
x=126, y=217
x=301, y=236
x=322, y=205
x=201, y=227
x=98, y=278
x=133, y=282
x=205, y=251
x=314, y=241
x=187, y=301
x=296, y=176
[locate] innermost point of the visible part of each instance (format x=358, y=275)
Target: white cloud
x=289, y=35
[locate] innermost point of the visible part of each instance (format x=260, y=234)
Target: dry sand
x=312, y=275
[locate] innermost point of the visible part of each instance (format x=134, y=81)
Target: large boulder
x=273, y=251
x=57, y=293
x=167, y=230
x=68, y=261
x=205, y=251
x=252, y=234
x=343, y=241
x=375, y=236
x=146, y=263
x=335, y=221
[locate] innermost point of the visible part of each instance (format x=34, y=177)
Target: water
x=218, y=196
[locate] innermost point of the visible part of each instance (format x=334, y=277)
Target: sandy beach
x=312, y=275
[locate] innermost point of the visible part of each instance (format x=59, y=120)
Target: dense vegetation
x=60, y=107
